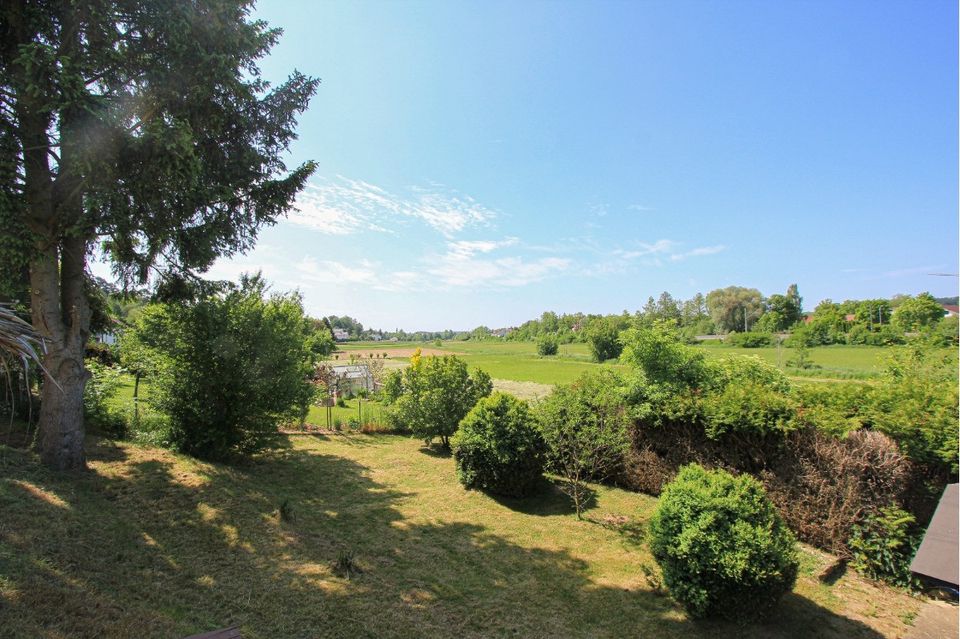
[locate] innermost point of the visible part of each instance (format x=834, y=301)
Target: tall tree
x=144, y=125
x=735, y=308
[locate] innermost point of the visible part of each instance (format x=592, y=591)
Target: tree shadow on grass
x=436, y=450
x=546, y=500
x=158, y=545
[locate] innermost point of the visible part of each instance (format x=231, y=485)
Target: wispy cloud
x=332, y=272
x=653, y=255
x=639, y=207
x=660, y=247
x=460, y=266
x=342, y=206
x=913, y=270
x=698, y=252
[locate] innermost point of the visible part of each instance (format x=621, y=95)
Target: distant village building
x=951, y=310
x=340, y=335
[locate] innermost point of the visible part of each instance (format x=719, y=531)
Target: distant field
x=518, y=361
x=512, y=361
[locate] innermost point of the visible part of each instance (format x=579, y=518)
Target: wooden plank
x=938, y=555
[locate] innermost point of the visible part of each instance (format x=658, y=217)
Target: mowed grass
x=149, y=543
x=360, y=409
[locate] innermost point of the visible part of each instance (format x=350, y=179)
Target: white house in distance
x=340, y=335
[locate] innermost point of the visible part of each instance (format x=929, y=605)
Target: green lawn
x=363, y=410
x=153, y=544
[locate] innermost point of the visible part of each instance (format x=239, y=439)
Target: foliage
x=735, y=308
x=945, y=333
x=917, y=405
x=547, y=345
x=102, y=385
x=585, y=425
x=142, y=131
x=231, y=367
x=883, y=545
x=603, y=337
x=659, y=353
x=918, y=312
x=745, y=369
x=499, y=448
x=749, y=340
x=748, y=408
x=886, y=335
x=723, y=548
x=320, y=340
x=432, y=395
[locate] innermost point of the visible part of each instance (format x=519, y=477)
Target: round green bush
x=548, y=345
x=498, y=447
x=722, y=546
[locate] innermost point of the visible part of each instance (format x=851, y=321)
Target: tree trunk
x=61, y=314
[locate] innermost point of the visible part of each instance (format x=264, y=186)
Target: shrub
x=548, y=345
x=584, y=425
x=659, y=353
x=432, y=395
x=883, y=545
x=748, y=408
x=499, y=448
x=917, y=406
x=723, y=548
x=231, y=367
x=603, y=337
x=748, y=340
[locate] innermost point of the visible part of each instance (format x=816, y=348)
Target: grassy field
x=379, y=540
x=515, y=361
x=518, y=361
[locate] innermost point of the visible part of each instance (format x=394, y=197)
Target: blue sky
x=479, y=163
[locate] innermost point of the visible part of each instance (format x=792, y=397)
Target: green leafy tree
x=320, y=341
x=585, y=426
x=603, y=337
x=735, y=308
x=432, y=395
x=783, y=311
x=144, y=126
x=918, y=312
x=232, y=366
x=547, y=344
x=723, y=548
x=873, y=314
x=499, y=448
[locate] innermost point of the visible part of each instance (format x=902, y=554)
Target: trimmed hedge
x=722, y=546
x=498, y=447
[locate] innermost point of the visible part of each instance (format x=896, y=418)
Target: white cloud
x=639, y=207
x=343, y=206
x=698, y=252
x=332, y=272
x=660, y=247
x=467, y=248
x=459, y=266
